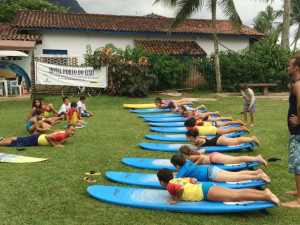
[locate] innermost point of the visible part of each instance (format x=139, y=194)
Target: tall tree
x=9, y=8
x=286, y=25
x=265, y=20
x=185, y=8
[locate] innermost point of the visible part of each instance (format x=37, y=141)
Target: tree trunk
x=286, y=25
x=216, y=46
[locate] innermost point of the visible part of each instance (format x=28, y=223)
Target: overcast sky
x=247, y=9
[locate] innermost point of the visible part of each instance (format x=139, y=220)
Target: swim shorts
x=294, y=154
x=25, y=141
x=212, y=172
x=253, y=108
x=205, y=188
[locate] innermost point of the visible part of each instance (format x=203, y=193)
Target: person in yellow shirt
x=186, y=189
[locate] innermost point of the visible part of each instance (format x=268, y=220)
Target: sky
x=247, y=9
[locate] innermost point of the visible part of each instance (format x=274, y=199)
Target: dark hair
x=33, y=103
x=165, y=175
x=65, y=97
x=297, y=61
x=82, y=98
x=39, y=111
x=191, y=122
x=172, y=106
x=192, y=133
x=178, y=160
x=42, y=99
x=71, y=125
x=186, y=150
x=244, y=86
x=73, y=104
x=159, y=100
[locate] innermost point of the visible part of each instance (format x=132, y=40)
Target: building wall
x=76, y=42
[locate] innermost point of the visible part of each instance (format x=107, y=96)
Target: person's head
x=186, y=151
x=158, y=102
x=172, y=107
x=66, y=100
x=294, y=67
x=244, y=87
x=42, y=101
x=70, y=130
x=40, y=114
x=164, y=176
x=82, y=99
x=37, y=103
x=190, y=123
x=191, y=135
x=178, y=161
x=74, y=105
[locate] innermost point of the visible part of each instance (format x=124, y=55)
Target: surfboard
x=181, y=130
x=175, y=147
x=9, y=158
x=171, y=124
x=150, y=180
x=156, y=110
x=157, y=164
x=139, y=106
x=182, y=137
x=165, y=120
x=167, y=115
x=77, y=127
x=157, y=199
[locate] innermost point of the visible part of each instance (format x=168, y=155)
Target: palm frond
x=167, y=3
x=228, y=8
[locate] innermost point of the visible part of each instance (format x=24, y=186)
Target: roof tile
x=27, y=19
x=9, y=33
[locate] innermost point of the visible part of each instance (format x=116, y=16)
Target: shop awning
x=4, y=53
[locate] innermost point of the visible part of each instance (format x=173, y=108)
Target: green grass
x=53, y=192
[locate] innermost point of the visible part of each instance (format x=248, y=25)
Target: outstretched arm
x=178, y=197
x=50, y=139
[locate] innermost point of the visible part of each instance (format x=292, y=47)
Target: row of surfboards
x=157, y=199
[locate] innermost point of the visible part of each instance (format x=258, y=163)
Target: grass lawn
x=53, y=192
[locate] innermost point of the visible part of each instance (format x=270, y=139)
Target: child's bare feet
x=272, y=197
x=245, y=129
x=259, y=171
x=255, y=140
x=246, y=123
x=292, y=204
x=241, y=122
x=291, y=192
x=261, y=160
x=252, y=125
x=265, y=179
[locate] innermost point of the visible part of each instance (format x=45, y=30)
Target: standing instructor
x=293, y=120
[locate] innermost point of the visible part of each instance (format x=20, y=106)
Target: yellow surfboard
x=9, y=158
x=139, y=106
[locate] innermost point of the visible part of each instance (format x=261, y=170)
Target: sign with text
x=51, y=74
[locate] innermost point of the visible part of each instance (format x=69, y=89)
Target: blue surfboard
x=150, y=180
x=182, y=137
x=171, y=124
x=165, y=120
x=157, y=164
x=167, y=115
x=175, y=147
x=154, y=110
x=157, y=199
x=181, y=130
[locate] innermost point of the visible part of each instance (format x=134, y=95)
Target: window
x=55, y=52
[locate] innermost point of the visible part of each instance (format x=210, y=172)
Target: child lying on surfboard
x=200, y=141
x=163, y=104
x=176, y=109
x=213, y=173
x=199, y=158
x=192, y=122
x=186, y=190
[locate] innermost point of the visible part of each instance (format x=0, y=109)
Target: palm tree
x=286, y=24
x=264, y=22
x=185, y=8
x=295, y=19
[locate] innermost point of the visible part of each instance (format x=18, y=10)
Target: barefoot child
x=250, y=103
x=81, y=108
x=48, y=109
x=192, y=122
x=199, y=158
x=65, y=107
x=186, y=190
x=37, y=125
x=193, y=136
x=213, y=173
x=74, y=117
x=163, y=104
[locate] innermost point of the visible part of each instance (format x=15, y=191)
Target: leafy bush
x=126, y=77
x=263, y=62
x=171, y=72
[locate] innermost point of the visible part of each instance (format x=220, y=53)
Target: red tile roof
x=9, y=33
x=28, y=19
x=172, y=47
